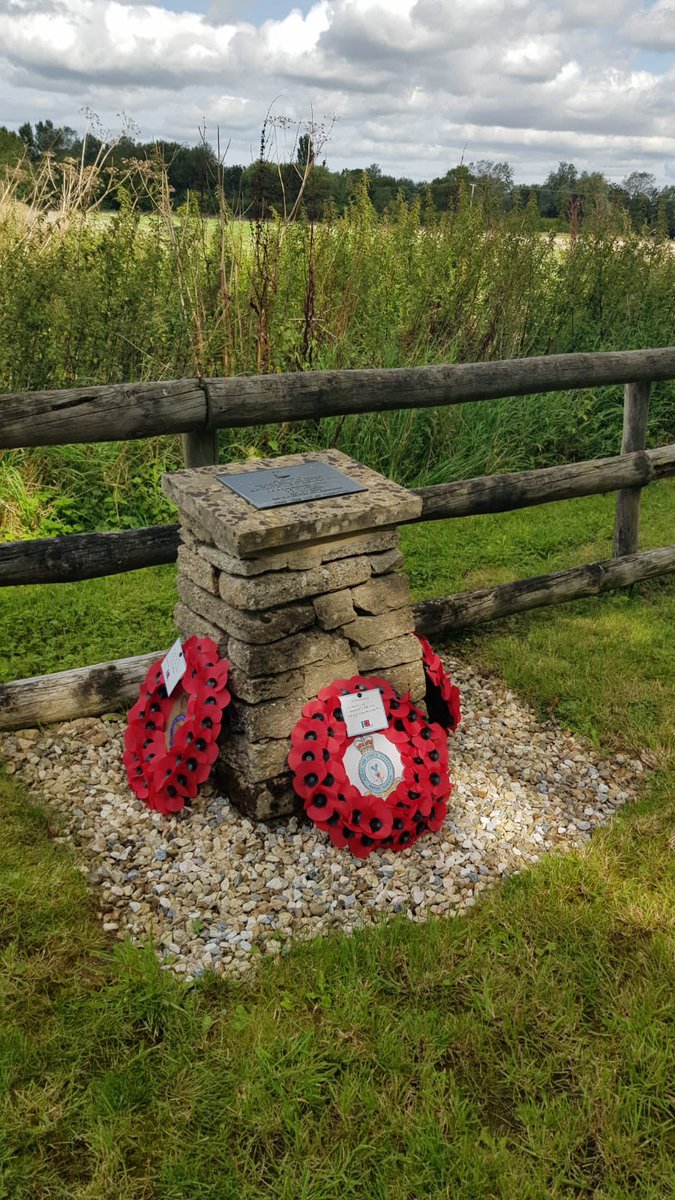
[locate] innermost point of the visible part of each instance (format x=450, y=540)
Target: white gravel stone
x=214, y=890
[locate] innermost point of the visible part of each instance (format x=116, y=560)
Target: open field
x=523, y=1049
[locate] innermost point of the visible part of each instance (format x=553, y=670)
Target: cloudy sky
x=411, y=84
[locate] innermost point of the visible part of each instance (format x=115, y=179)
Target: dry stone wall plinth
x=295, y=596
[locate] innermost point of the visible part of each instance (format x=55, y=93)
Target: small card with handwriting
x=363, y=712
x=173, y=666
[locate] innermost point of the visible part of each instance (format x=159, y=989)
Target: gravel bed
x=216, y=891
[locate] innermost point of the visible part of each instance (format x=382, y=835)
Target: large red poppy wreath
x=443, y=696
x=170, y=741
x=375, y=791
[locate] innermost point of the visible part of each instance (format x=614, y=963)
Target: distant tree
x=262, y=189
x=639, y=183
x=191, y=170
x=87, y=149
x=528, y=193
x=265, y=186
x=28, y=138
x=500, y=172
x=494, y=185
x=318, y=194
x=305, y=154
x=593, y=192
x=12, y=147
x=667, y=204
x=126, y=148
x=640, y=188
x=559, y=191
x=53, y=139
x=47, y=138
x=447, y=190
x=231, y=178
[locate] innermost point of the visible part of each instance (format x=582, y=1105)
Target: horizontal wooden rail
x=437, y=617
x=78, y=556
x=89, y=555
x=119, y=411
x=84, y=692
x=107, y=687
x=520, y=489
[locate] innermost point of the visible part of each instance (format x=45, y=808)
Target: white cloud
x=412, y=81
x=653, y=27
x=533, y=58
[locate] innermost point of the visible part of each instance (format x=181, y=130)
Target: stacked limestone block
x=290, y=618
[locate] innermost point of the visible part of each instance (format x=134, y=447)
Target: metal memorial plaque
x=274, y=487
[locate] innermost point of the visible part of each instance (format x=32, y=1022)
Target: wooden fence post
x=635, y=413
x=200, y=449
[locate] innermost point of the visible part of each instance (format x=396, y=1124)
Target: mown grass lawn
x=525, y=1050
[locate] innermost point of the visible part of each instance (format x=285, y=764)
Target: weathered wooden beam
x=263, y=399
x=520, y=489
x=86, y=555
x=85, y=692
x=635, y=414
x=436, y=617
x=121, y=411
x=661, y=460
x=107, y=413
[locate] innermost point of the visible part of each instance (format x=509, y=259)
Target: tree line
x=565, y=198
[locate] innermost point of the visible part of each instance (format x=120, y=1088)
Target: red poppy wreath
x=442, y=696
x=170, y=741
x=375, y=791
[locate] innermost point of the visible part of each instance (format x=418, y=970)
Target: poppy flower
x=309, y=732
x=371, y=816
x=166, y=799
x=340, y=803
x=154, y=678
x=212, y=675
x=323, y=805
x=307, y=779
x=339, y=687
x=133, y=765
x=204, y=702
x=437, y=815
x=138, y=710
x=443, y=698
x=337, y=835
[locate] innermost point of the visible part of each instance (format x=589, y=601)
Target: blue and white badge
x=373, y=765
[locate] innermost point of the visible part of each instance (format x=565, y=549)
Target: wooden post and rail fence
x=198, y=408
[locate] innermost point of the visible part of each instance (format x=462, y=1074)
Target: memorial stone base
x=295, y=596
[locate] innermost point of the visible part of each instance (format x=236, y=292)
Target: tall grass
x=89, y=300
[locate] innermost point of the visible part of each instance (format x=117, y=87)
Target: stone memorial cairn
x=295, y=596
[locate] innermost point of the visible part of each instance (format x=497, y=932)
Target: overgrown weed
x=88, y=300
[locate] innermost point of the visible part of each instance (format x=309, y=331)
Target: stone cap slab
x=240, y=529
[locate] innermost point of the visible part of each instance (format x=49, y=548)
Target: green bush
x=93, y=299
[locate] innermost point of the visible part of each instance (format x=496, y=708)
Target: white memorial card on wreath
x=173, y=666
x=363, y=712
